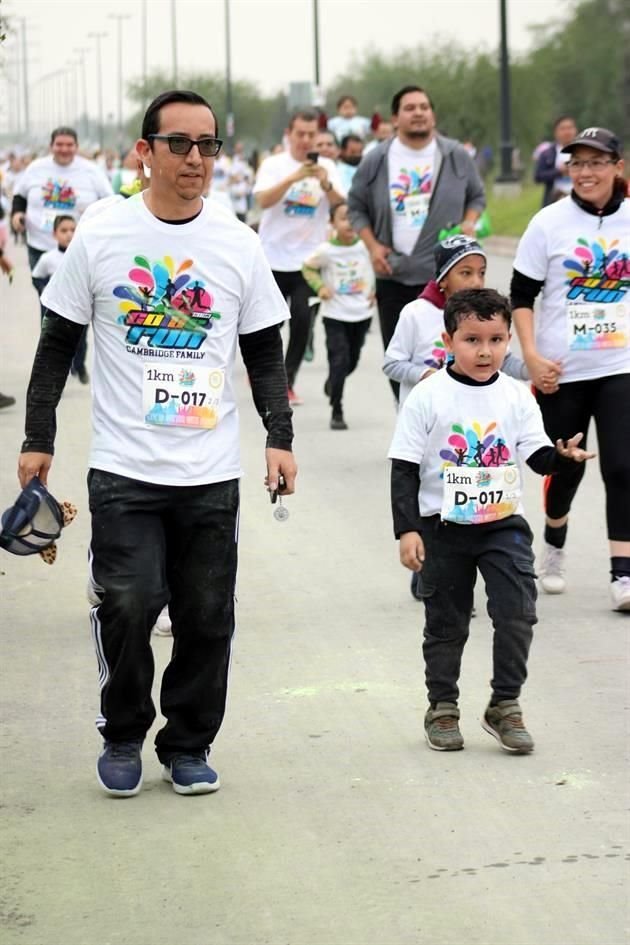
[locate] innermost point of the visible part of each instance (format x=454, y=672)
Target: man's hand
x=33, y=464
x=411, y=551
x=18, y=221
x=467, y=227
x=378, y=255
x=325, y=293
x=280, y=463
x=544, y=373
x=571, y=450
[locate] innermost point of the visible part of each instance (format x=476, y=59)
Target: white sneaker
x=551, y=570
x=163, y=627
x=620, y=593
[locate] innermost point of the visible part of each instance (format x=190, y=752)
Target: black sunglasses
x=180, y=144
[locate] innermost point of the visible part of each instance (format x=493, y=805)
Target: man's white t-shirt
x=584, y=261
x=167, y=303
x=447, y=424
x=412, y=175
x=51, y=189
x=347, y=272
x=295, y=226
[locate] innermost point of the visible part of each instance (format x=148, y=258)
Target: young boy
x=45, y=268
x=456, y=501
x=416, y=349
x=341, y=274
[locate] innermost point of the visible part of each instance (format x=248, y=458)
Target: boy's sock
x=556, y=536
x=619, y=567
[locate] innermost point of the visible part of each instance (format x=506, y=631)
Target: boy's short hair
x=482, y=304
x=60, y=218
x=333, y=210
x=347, y=98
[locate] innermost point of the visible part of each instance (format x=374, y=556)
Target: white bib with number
x=417, y=209
x=473, y=495
x=592, y=326
x=182, y=397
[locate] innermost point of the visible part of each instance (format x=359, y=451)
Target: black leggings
x=297, y=293
x=569, y=411
x=344, y=341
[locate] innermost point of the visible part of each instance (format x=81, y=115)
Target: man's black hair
x=481, y=304
x=63, y=130
x=59, y=219
x=303, y=114
x=151, y=120
x=406, y=89
x=327, y=131
x=347, y=138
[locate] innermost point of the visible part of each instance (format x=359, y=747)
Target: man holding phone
x=295, y=190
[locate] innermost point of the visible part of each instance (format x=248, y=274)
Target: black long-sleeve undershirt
x=262, y=354
x=405, y=485
x=18, y=205
x=523, y=290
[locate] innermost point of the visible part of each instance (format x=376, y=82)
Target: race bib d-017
x=474, y=496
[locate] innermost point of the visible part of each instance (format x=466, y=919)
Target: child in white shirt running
x=460, y=438
x=416, y=349
x=341, y=274
x=48, y=263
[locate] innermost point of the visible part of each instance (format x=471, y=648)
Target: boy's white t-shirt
x=48, y=264
x=584, y=261
x=51, y=189
x=412, y=175
x=447, y=423
x=418, y=340
x=357, y=125
x=347, y=272
x=167, y=303
x=295, y=226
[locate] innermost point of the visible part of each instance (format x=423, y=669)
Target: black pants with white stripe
x=153, y=545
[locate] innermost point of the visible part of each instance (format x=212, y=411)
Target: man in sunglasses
x=171, y=282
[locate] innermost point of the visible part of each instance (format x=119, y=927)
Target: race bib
x=303, y=199
x=182, y=397
x=476, y=495
x=592, y=326
x=417, y=209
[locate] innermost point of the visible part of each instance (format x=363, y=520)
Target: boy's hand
x=571, y=450
x=324, y=293
x=543, y=373
x=411, y=551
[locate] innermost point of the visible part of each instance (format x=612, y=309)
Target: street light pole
x=144, y=52
x=506, y=174
x=99, y=84
x=229, y=112
x=119, y=17
x=27, y=123
x=316, y=39
x=81, y=51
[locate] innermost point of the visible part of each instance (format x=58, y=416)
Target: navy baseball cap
x=33, y=522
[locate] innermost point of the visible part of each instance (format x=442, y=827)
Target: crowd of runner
x=358, y=223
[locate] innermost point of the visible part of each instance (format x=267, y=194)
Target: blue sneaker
x=189, y=774
x=119, y=768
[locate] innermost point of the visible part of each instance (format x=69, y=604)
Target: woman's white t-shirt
x=412, y=176
x=52, y=189
x=584, y=261
x=167, y=303
x=347, y=272
x=294, y=227
x=446, y=424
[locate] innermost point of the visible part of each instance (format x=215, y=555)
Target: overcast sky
x=272, y=40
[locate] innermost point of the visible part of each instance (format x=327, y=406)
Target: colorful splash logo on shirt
x=301, y=200
x=437, y=358
x=58, y=195
x=475, y=446
x=599, y=272
x=408, y=184
x=163, y=306
x=348, y=279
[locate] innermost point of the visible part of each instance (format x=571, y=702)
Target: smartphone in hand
x=312, y=157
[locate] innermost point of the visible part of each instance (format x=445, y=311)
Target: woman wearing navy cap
x=577, y=347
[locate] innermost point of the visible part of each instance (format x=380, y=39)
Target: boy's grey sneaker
x=189, y=774
x=441, y=727
x=505, y=722
x=119, y=768
x=551, y=570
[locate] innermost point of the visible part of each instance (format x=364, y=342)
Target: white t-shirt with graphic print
x=411, y=182
x=584, y=261
x=469, y=428
x=418, y=340
x=294, y=227
x=347, y=272
x=51, y=189
x=167, y=303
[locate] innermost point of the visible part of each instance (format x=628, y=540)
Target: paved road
x=335, y=824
